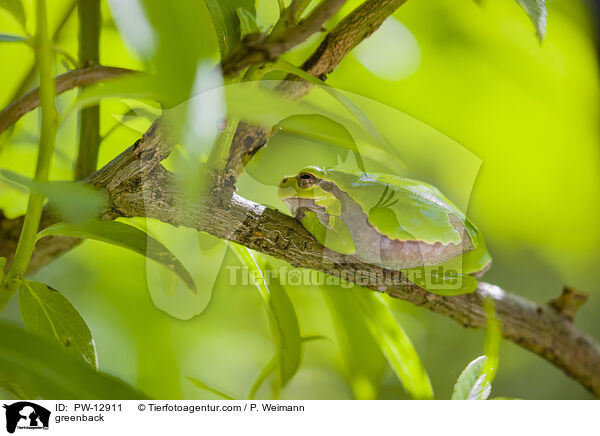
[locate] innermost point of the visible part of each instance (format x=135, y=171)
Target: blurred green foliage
x=455, y=88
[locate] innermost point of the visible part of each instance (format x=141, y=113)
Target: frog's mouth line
x=295, y=203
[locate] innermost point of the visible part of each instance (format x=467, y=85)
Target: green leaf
x=2, y=265
x=445, y=284
x=46, y=312
x=289, y=330
x=318, y=128
x=132, y=86
x=376, y=146
x=282, y=316
x=475, y=382
x=311, y=338
x=260, y=105
x=395, y=344
x=7, y=37
x=174, y=37
x=125, y=236
x=470, y=384
x=266, y=372
x=31, y=362
x=225, y=15
x=74, y=202
x=131, y=19
x=493, y=336
x=348, y=104
x=137, y=119
x=18, y=391
x=200, y=253
x=15, y=8
x=363, y=360
x=205, y=387
x=247, y=21
x=175, y=22
x=536, y=9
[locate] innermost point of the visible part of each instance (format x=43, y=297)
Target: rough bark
x=347, y=34
x=137, y=185
x=259, y=48
x=538, y=328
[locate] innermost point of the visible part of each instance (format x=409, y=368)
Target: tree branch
x=538, y=328
x=351, y=31
x=261, y=48
x=29, y=77
x=65, y=82
x=137, y=185
x=248, y=138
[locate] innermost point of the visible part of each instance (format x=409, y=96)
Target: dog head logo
x=26, y=415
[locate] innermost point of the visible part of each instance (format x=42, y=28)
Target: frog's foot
x=482, y=271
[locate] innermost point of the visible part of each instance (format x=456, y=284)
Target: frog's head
x=304, y=190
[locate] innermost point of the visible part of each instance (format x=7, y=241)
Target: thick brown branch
x=137, y=160
x=353, y=29
x=537, y=328
x=137, y=185
x=248, y=139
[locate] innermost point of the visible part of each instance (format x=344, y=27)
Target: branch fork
x=137, y=184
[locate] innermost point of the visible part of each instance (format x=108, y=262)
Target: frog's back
x=403, y=209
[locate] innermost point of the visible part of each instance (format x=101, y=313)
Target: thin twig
x=538, y=328
x=89, y=118
x=29, y=77
x=259, y=48
x=65, y=82
x=49, y=126
x=137, y=185
x=347, y=34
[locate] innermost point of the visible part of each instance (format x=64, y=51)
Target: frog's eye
x=306, y=179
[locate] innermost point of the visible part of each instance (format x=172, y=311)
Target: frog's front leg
x=329, y=230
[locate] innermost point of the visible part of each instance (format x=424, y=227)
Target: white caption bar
x=302, y=417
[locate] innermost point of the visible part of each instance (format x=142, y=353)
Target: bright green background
x=528, y=111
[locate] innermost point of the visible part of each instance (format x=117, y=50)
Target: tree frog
x=396, y=223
